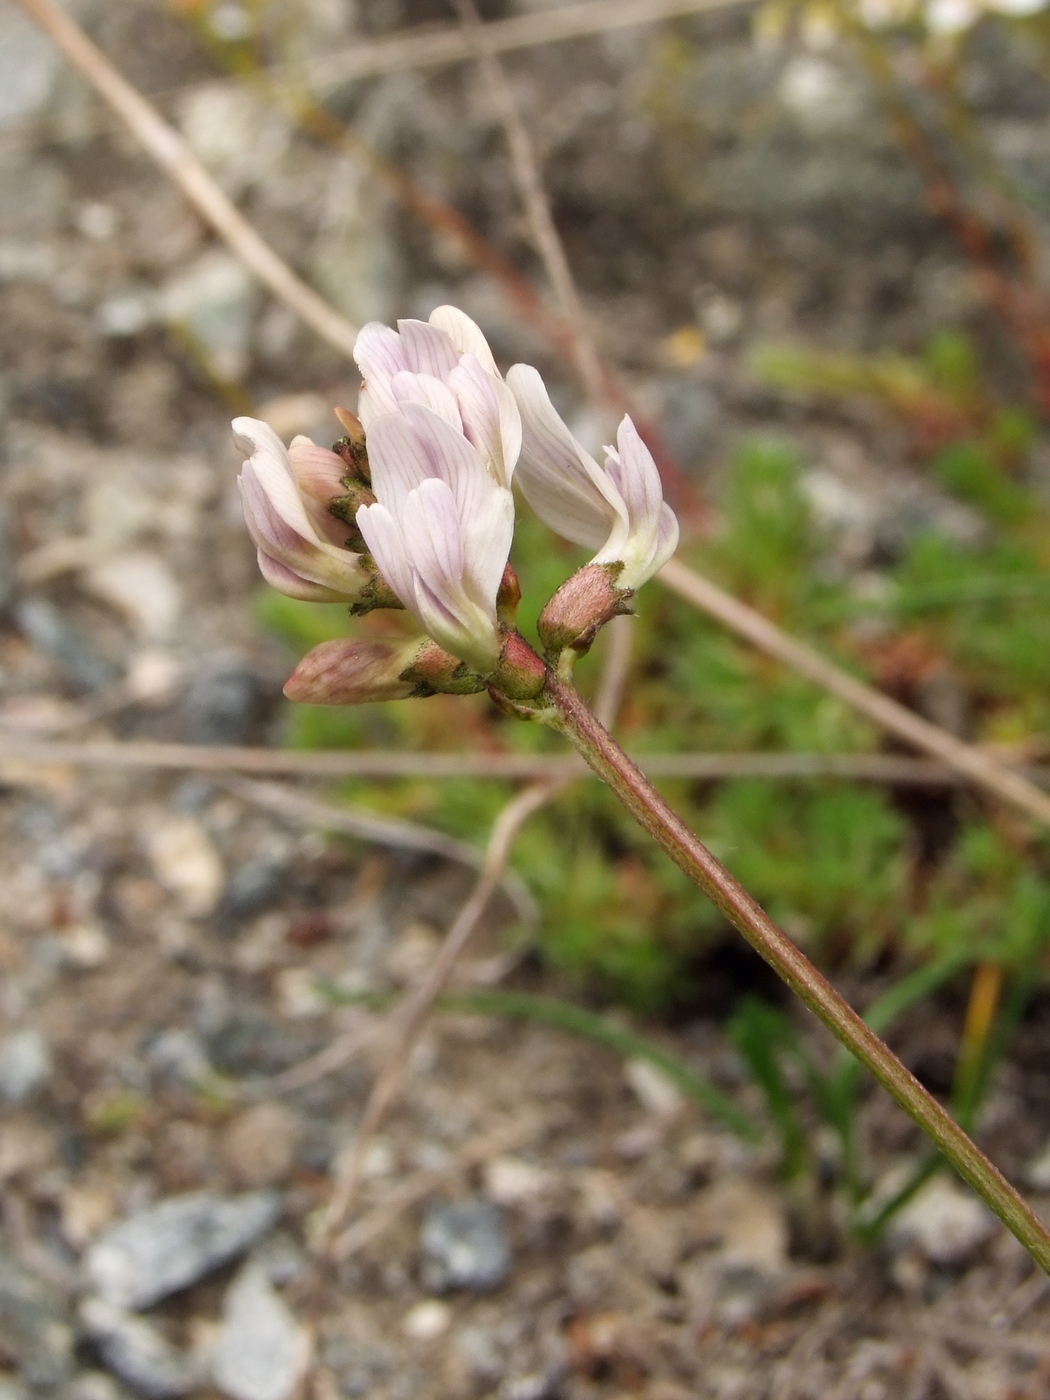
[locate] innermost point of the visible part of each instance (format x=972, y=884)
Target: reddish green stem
x=650, y=810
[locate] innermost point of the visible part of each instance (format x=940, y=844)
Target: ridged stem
x=652, y=813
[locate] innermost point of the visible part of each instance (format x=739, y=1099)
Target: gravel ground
x=537, y=1219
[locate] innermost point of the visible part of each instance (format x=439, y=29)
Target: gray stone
x=45, y=626
x=178, y=1057
x=945, y=1222
x=262, y=1351
x=29, y=64
x=93, y=1385
x=150, y=1255
x=25, y=1065
x=214, y=302
x=35, y=1331
x=220, y=705
x=465, y=1246
x=136, y=1352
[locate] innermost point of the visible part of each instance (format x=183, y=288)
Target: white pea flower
x=285, y=493
x=440, y=530
x=446, y=364
x=619, y=510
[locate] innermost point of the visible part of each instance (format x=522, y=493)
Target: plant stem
x=653, y=814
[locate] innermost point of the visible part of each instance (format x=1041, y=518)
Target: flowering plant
x=413, y=509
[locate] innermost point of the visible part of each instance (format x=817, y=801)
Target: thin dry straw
x=430, y=48
x=378, y=764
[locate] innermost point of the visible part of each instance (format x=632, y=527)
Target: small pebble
x=187, y=864
x=945, y=1222
x=654, y=1090
x=161, y=1250
x=261, y=1352
x=465, y=1246
x=25, y=1065
x=427, y=1320
x=136, y=1352
x=258, y=1146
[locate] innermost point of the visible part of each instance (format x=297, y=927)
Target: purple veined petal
x=636, y=476
x=326, y=565
x=380, y=355
x=382, y=534
x=427, y=349
x=464, y=335
x=450, y=456
x=433, y=539
x=398, y=456
x=666, y=539
x=271, y=466
x=564, y=485
x=433, y=393
x=491, y=420
x=458, y=622
x=487, y=538
x=288, y=582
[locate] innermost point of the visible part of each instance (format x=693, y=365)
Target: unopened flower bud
x=581, y=607
x=521, y=674
x=346, y=672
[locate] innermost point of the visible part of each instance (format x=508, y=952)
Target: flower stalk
x=572, y=716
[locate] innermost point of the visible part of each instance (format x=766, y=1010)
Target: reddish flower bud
x=581, y=607
x=521, y=674
x=346, y=672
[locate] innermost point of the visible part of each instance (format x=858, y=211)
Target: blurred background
x=809, y=243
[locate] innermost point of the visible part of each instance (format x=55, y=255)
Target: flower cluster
x=422, y=515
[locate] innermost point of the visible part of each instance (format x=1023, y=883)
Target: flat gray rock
x=137, y=1353
x=155, y=1253
x=262, y=1351
x=465, y=1246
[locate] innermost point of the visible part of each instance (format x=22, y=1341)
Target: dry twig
x=526, y=170
x=328, y=764
x=432, y=47
x=979, y=766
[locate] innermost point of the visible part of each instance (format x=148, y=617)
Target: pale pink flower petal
x=490, y=416
x=318, y=471
x=561, y=481
x=465, y=335
x=427, y=349
x=380, y=355
x=290, y=528
x=293, y=585
x=619, y=510
x=432, y=393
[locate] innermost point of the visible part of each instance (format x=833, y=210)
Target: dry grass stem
x=975, y=763
x=432, y=47
x=894, y=769
x=168, y=149
x=526, y=170
x=506, y=1138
